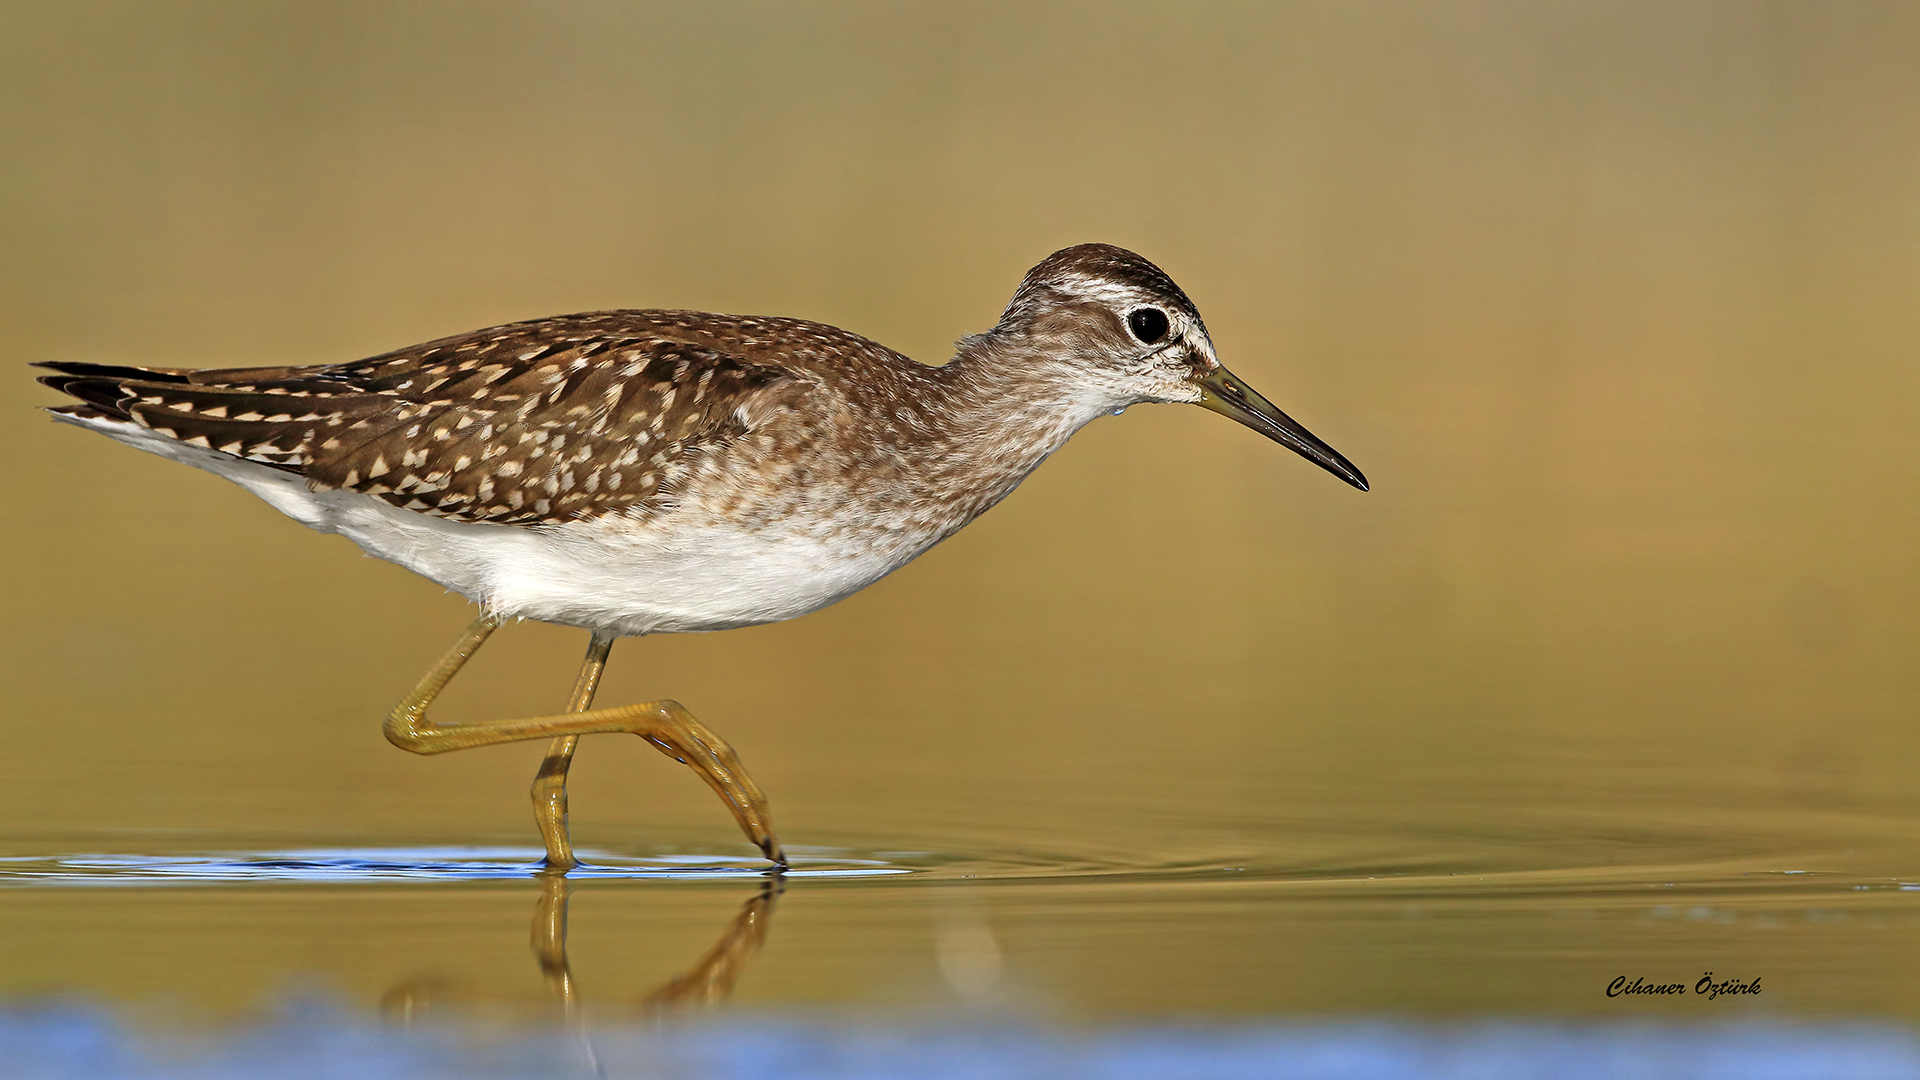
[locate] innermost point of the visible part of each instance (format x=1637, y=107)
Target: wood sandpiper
x=638, y=472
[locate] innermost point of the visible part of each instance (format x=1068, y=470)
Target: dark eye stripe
x=1148, y=324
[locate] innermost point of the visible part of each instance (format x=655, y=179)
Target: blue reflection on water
x=351, y=865
x=57, y=1043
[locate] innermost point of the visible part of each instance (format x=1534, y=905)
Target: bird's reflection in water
x=709, y=981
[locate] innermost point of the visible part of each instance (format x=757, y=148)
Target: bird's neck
x=997, y=410
x=1012, y=392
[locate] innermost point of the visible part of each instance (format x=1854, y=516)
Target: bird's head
x=1132, y=336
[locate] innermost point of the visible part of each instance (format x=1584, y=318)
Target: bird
x=644, y=471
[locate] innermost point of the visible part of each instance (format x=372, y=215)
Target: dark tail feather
x=103, y=387
x=103, y=397
x=114, y=371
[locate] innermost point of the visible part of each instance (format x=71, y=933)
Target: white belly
x=673, y=574
x=610, y=574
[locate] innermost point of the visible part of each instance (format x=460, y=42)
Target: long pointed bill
x=1225, y=394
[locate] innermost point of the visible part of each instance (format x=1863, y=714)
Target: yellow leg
x=666, y=724
x=550, y=783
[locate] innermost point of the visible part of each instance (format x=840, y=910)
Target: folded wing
x=551, y=420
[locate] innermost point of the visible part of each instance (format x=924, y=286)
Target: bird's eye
x=1148, y=324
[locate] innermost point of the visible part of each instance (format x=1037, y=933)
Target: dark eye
x=1148, y=324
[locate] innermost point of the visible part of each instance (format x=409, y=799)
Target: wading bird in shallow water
x=639, y=472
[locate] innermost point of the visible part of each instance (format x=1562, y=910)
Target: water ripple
x=359, y=865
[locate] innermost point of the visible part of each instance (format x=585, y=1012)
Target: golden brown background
x=1618, y=305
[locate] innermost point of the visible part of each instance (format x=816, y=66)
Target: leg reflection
x=708, y=982
x=549, y=937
